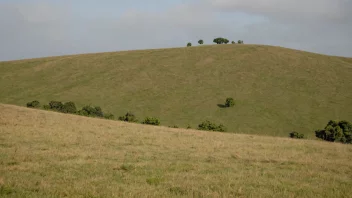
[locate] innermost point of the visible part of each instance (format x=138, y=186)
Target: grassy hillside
x=48, y=154
x=277, y=90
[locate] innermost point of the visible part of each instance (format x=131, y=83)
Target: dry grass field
x=277, y=90
x=48, y=154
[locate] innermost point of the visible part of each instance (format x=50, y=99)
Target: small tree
x=230, y=102
x=91, y=111
x=33, y=104
x=69, y=107
x=221, y=40
x=56, y=105
x=128, y=117
x=189, y=44
x=200, y=42
x=240, y=42
x=233, y=42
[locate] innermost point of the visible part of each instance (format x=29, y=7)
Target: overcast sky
x=37, y=28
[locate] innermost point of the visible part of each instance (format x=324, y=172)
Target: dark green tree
x=230, y=102
x=336, y=132
x=33, y=104
x=201, y=42
x=128, y=117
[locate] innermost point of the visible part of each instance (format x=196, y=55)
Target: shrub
x=109, y=116
x=91, y=111
x=200, y=42
x=46, y=107
x=336, y=132
x=189, y=44
x=56, y=105
x=33, y=104
x=208, y=126
x=230, y=102
x=69, y=107
x=82, y=112
x=129, y=117
x=233, y=42
x=151, y=121
x=189, y=127
x=240, y=42
x=296, y=135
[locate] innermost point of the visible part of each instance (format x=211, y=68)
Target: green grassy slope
x=277, y=89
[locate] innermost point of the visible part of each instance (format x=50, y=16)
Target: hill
x=48, y=154
x=277, y=90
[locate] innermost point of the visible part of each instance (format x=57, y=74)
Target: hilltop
x=277, y=90
x=48, y=154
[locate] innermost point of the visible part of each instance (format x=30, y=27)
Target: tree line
x=219, y=40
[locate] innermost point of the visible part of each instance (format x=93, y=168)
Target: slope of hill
x=48, y=154
x=277, y=90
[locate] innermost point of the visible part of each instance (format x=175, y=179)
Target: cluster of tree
x=70, y=107
x=130, y=117
x=336, y=132
x=90, y=111
x=218, y=40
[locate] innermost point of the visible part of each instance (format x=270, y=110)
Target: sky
x=39, y=28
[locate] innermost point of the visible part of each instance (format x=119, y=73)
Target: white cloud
x=291, y=10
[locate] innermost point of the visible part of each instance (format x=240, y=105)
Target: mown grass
x=277, y=90
x=48, y=154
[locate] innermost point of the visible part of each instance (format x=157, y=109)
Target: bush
x=129, y=117
x=208, y=126
x=69, y=107
x=233, y=42
x=189, y=44
x=56, y=105
x=46, y=107
x=91, y=111
x=200, y=42
x=189, y=127
x=151, y=121
x=230, y=102
x=336, y=132
x=33, y=104
x=240, y=42
x=109, y=116
x=296, y=135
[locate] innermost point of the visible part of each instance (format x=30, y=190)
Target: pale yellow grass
x=47, y=154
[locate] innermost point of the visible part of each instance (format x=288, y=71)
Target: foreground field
x=47, y=154
x=277, y=90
